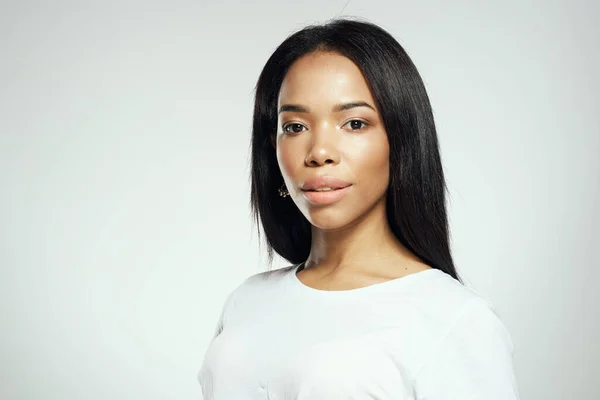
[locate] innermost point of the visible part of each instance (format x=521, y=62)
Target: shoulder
x=256, y=287
x=471, y=353
x=476, y=321
x=451, y=312
x=446, y=299
x=262, y=281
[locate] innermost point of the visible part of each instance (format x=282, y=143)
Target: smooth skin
x=352, y=243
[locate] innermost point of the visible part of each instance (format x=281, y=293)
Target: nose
x=324, y=147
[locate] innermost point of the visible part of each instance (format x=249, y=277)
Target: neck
x=367, y=245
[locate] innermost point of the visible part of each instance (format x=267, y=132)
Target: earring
x=283, y=192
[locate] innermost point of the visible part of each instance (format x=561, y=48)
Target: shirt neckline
x=373, y=288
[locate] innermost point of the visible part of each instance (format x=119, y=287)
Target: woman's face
x=329, y=127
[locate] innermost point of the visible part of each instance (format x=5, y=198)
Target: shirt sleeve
x=226, y=306
x=472, y=361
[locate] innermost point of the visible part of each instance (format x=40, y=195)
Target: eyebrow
x=336, y=108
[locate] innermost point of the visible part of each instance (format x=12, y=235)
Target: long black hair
x=416, y=209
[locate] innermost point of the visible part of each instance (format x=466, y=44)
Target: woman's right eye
x=294, y=127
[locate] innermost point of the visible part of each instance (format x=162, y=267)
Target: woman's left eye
x=356, y=124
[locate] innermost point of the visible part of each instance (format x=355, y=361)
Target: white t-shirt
x=422, y=336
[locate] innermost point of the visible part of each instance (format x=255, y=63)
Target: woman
x=348, y=185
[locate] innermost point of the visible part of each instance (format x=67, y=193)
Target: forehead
x=324, y=77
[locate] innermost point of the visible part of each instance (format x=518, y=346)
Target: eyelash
x=364, y=125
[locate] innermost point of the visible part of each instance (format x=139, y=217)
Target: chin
x=328, y=218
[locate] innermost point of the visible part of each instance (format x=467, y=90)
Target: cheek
x=372, y=164
x=287, y=158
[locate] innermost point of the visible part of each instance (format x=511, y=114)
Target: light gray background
x=124, y=218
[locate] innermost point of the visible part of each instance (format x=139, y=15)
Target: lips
x=323, y=183
x=324, y=190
